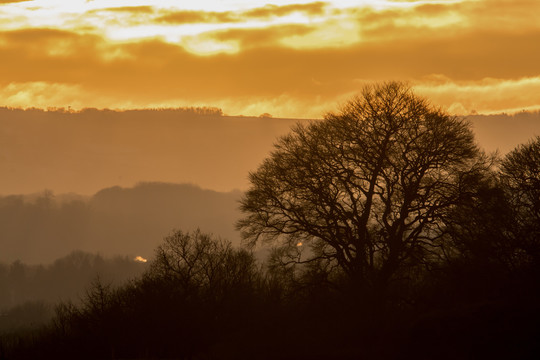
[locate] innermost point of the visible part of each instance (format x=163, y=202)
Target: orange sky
x=289, y=59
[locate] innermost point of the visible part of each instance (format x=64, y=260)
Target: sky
x=294, y=59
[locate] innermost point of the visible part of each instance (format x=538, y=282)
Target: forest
x=43, y=227
x=390, y=234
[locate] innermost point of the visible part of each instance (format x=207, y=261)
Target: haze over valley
x=118, y=182
x=269, y=179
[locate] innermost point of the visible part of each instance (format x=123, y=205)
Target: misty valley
x=270, y=179
x=40, y=228
x=387, y=230
x=54, y=246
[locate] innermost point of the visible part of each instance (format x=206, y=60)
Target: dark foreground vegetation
x=393, y=237
x=28, y=293
x=202, y=299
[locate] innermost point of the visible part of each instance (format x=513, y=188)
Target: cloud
x=485, y=96
x=42, y=43
x=314, y=8
x=260, y=13
x=154, y=72
x=508, y=15
x=299, y=68
x=425, y=19
x=261, y=37
x=131, y=9
x=195, y=17
x=57, y=95
x=11, y=1
x=42, y=94
x=125, y=17
x=422, y=22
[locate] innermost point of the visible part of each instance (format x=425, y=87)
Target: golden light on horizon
x=287, y=58
x=304, y=160
x=140, y=259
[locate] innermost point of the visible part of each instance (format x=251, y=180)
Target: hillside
x=87, y=151
x=84, y=152
x=114, y=221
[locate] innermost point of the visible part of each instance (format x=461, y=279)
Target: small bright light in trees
x=299, y=244
x=140, y=259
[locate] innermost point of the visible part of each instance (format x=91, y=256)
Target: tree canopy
x=520, y=178
x=366, y=189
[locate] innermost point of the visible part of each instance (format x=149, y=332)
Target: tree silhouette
x=197, y=261
x=366, y=189
x=520, y=179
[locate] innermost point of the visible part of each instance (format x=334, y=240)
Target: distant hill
x=79, y=155
x=83, y=152
x=503, y=132
x=114, y=221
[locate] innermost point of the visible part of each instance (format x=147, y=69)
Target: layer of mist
x=503, y=132
x=83, y=152
x=29, y=293
x=74, y=281
x=41, y=228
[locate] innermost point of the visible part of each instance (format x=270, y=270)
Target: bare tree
x=520, y=179
x=197, y=261
x=366, y=189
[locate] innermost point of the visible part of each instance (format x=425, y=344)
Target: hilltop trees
x=520, y=178
x=366, y=190
x=197, y=262
x=499, y=224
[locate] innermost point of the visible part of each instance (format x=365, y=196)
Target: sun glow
x=121, y=20
x=292, y=59
x=140, y=259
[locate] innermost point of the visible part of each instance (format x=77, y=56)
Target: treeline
x=63, y=279
x=190, y=110
x=28, y=293
x=43, y=227
x=201, y=298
